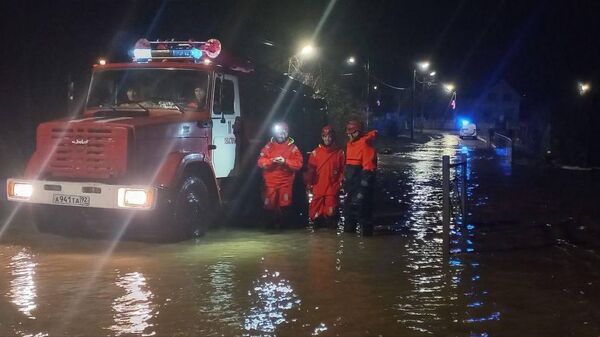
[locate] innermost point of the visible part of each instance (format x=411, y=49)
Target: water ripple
x=134, y=310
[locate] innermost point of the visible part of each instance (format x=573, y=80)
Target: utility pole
x=414, y=106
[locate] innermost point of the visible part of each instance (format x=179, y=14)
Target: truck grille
x=88, y=152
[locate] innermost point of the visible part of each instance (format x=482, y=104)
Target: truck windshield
x=149, y=89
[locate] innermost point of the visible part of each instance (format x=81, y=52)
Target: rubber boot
x=350, y=226
x=318, y=223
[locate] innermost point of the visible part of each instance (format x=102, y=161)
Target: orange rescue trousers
x=324, y=174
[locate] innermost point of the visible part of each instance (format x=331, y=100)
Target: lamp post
x=368, y=66
x=584, y=88
x=423, y=66
x=351, y=61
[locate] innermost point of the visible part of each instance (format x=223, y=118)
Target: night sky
x=542, y=48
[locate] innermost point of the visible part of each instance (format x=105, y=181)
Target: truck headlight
x=17, y=190
x=135, y=197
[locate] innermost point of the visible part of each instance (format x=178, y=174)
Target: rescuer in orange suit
x=280, y=159
x=359, y=180
x=324, y=177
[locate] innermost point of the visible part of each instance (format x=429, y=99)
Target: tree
x=342, y=105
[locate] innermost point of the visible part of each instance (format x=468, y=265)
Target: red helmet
x=353, y=126
x=327, y=131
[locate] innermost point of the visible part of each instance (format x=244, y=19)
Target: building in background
x=499, y=106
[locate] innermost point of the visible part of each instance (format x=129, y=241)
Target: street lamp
x=423, y=66
x=307, y=51
x=351, y=60
x=432, y=73
x=449, y=87
x=451, y=90
x=584, y=88
x=296, y=65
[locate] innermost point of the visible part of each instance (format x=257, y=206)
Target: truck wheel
x=192, y=208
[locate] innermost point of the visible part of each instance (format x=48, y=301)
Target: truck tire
x=193, y=209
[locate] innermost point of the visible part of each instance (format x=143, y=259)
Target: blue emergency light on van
x=467, y=129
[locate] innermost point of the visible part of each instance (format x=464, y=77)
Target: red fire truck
x=161, y=143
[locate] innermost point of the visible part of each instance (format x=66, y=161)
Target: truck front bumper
x=81, y=194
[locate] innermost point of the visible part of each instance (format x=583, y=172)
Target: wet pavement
x=510, y=275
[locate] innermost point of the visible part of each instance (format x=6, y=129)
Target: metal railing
x=459, y=185
x=503, y=145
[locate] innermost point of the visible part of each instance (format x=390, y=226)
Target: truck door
x=226, y=108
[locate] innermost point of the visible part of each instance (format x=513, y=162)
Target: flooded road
x=236, y=282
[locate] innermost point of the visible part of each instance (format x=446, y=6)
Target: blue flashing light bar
x=196, y=53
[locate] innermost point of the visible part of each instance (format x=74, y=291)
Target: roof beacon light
x=146, y=51
x=212, y=48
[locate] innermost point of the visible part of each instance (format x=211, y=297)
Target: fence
x=503, y=145
x=459, y=186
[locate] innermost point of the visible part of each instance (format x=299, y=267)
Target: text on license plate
x=73, y=200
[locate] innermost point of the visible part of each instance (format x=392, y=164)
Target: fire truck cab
x=155, y=142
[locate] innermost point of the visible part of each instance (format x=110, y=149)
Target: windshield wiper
x=178, y=107
x=143, y=107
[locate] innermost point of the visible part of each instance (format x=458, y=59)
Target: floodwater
x=236, y=282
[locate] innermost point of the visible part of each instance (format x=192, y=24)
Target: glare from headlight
x=22, y=191
x=134, y=198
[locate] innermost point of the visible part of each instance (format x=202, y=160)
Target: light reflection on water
x=464, y=270
x=134, y=310
x=421, y=308
x=221, y=297
x=272, y=296
x=435, y=295
x=23, y=292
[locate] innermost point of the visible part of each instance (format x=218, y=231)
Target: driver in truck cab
x=133, y=95
x=280, y=159
x=198, y=101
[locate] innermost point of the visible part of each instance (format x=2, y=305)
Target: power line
x=387, y=84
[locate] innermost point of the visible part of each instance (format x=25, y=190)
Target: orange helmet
x=353, y=126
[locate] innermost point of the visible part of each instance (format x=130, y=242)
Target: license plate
x=71, y=200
